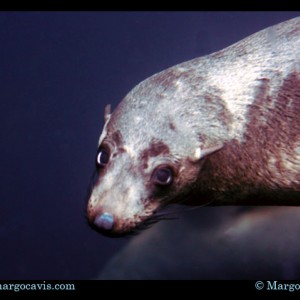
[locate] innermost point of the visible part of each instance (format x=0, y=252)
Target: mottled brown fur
x=273, y=127
x=156, y=148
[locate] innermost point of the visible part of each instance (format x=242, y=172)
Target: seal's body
x=225, y=125
x=250, y=243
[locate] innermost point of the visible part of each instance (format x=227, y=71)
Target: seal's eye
x=102, y=158
x=163, y=176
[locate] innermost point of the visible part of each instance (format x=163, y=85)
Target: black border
x=88, y=5
x=155, y=289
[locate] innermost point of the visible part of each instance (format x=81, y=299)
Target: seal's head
x=148, y=155
x=244, y=98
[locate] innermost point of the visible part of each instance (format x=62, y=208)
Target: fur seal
x=225, y=126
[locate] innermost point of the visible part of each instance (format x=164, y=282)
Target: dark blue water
x=57, y=72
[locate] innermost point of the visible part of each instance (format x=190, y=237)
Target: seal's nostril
x=104, y=221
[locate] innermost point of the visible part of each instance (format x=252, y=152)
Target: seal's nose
x=104, y=221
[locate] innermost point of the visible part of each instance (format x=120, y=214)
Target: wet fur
x=228, y=125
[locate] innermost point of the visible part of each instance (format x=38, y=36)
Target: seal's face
x=134, y=179
x=148, y=155
x=128, y=189
x=131, y=185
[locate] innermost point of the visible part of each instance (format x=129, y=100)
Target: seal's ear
x=201, y=153
x=107, y=113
